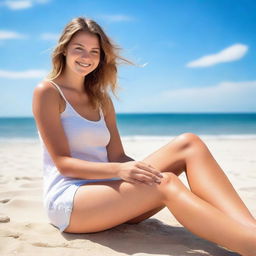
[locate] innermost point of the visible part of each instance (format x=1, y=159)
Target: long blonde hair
x=97, y=82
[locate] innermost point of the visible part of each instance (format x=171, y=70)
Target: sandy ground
x=24, y=227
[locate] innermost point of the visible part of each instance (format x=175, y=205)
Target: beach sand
x=24, y=227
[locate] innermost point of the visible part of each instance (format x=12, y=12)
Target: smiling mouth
x=83, y=64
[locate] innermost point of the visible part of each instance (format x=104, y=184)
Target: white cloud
x=5, y=34
x=32, y=73
x=22, y=4
x=232, y=53
x=42, y=1
x=116, y=18
x=17, y=5
x=49, y=36
x=223, y=97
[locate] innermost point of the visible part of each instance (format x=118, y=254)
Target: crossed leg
x=206, y=179
x=104, y=205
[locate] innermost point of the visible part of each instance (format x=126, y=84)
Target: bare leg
x=145, y=215
x=207, y=180
x=206, y=221
x=95, y=206
x=102, y=205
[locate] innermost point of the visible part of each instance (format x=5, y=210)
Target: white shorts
x=60, y=210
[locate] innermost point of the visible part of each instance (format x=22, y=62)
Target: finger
x=144, y=172
x=146, y=179
x=140, y=181
x=134, y=180
x=140, y=178
x=156, y=172
x=148, y=175
x=153, y=179
x=144, y=182
x=137, y=182
x=151, y=169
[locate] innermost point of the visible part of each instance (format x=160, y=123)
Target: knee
x=170, y=185
x=188, y=138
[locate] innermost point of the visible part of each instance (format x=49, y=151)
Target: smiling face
x=83, y=53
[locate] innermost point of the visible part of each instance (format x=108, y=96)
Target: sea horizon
x=153, y=125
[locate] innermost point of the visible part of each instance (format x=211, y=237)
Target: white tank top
x=87, y=141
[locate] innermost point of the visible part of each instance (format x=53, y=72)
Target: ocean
x=137, y=125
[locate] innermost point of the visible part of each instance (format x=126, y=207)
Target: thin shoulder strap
x=58, y=90
x=101, y=112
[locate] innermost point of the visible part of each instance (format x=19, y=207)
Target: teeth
x=83, y=64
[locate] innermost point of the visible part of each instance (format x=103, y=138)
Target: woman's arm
x=46, y=103
x=115, y=148
x=77, y=168
x=125, y=158
x=82, y=169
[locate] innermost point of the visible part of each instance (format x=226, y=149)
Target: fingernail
x=160, y=175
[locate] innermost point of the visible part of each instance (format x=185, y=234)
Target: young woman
x=91, y=185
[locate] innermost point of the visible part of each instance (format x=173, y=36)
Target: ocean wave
x=36, y=140
x=203, y=136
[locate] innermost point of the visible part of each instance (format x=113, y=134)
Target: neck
x=72, y=81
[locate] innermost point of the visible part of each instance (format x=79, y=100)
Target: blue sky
x=200, y=55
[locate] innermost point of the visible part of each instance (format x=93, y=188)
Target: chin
x=83, y=73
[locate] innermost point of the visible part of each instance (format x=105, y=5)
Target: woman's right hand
x=139, y=172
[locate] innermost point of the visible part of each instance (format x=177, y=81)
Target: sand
x=25, y=230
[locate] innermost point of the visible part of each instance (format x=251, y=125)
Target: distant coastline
x=154, y=125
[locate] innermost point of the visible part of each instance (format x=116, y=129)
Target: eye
x=95, y=52
x=79, y=48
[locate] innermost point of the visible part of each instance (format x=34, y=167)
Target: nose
x=85, y=54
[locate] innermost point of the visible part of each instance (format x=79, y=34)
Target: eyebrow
x=83, y=46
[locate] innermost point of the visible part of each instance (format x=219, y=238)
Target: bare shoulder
x=45, y=106
x=45, y=98
x=45, y=91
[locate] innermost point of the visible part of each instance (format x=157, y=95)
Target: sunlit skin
x=213, y=209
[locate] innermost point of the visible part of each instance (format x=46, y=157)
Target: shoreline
x=146, y=137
